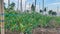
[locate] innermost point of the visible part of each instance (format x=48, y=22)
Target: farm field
x=30, y=16
x=25, y=22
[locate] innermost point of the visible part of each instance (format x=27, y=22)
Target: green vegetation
x=25, y=21
x=57, y=19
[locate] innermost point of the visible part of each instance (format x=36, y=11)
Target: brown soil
x=10, y=32
x=38, y=31
x=46, y=31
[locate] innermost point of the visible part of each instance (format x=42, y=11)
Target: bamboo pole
x=2, y=16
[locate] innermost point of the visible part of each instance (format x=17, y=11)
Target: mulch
x=38, y=31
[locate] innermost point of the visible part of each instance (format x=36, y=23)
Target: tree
x=54, y=13
x=35, y=3
x=4, y=6
x=17, y=5
x=43, y=4
x=45, y=9
x=33, y=7
x=41, y=11
x=8, y=3
x=50, y=11
x=11, y=6
x=21, y=5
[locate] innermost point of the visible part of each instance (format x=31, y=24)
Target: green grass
x=57, y=19
x=25, y=22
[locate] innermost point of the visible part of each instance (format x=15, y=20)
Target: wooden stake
x=2, y=16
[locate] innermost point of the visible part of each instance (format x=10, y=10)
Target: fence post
x=2, y=16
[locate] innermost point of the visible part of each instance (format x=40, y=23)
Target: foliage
x=41, y=11
x=11, y=6
x=54, y=13
x=33, y=7
x=24, y=22
x=50, y=11
x=45, y=9
x=57, y=19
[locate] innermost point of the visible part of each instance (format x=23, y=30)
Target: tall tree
x=18, y=5
x=12, y=5
x=50, y=12
x=35, y=3
x=45, y=9
x=54, y=13
x=41, y=11
x=8, y=3
x=25, y=5
x=43, y=4
x=4, y=6
x=33, y=7
x=21, y=5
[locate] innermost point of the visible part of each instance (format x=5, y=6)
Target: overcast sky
x=50, y=4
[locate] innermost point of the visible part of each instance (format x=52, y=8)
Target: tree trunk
x=2, y=16
x=18, y=5
x=43, y=4
x=8, y=3
x=21, y=5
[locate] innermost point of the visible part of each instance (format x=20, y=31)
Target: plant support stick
x=2, y=16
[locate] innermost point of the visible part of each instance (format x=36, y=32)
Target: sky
x=50, y=4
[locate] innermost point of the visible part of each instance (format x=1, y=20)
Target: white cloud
x=54, y=3
x=53, y=6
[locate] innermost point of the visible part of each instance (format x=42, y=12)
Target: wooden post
x=2, y=16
